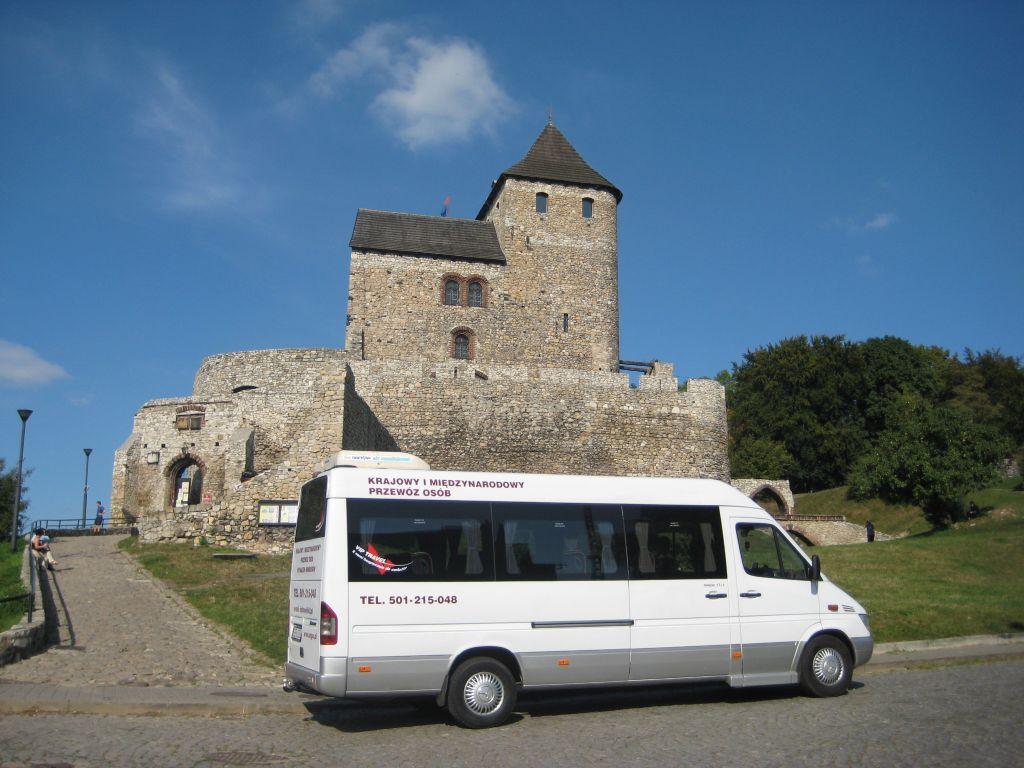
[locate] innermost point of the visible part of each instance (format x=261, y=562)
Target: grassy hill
x=902, y=519
x=962, y=581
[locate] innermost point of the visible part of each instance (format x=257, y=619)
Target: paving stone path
x=960, y=717
x=112, y=624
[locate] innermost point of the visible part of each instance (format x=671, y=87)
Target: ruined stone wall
x=521, y=419
x=560, y=263
x=254, y=444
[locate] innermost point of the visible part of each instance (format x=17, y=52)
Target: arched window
x=588, y=208
x=188, y=485
x=542, y=202
x=451, y=292
x=476, y=294
x=461, y=346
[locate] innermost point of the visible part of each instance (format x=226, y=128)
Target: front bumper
x=330, y=680
x=863, y=647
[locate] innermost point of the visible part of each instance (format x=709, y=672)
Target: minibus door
x=679, y=593
x=778, y=602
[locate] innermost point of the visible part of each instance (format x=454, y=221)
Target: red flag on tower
x=447, y=202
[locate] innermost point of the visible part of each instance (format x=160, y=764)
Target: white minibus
x=469, y=587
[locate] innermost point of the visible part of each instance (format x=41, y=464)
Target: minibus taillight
x=328, y=625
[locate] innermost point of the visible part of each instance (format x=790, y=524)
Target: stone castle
x=484, y=344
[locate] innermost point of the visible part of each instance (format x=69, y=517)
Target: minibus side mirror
x=815, y=568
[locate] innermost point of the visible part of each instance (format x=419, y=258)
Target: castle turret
x=556, y=219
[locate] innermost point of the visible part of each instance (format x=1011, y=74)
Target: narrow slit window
x=588, y=208
x=451, y=292
x=565, y=323
x=542, y=202
x=476, y=294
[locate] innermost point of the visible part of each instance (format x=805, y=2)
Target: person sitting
x=40, y=546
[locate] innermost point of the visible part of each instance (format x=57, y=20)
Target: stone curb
x=912, y=646
x=25, y=637
x=43, y=700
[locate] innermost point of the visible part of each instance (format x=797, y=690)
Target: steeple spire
x=552, y=158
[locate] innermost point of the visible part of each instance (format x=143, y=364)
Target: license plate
x=296, y=632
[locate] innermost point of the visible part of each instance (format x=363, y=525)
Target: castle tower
x=533, y=280
x=556, y=219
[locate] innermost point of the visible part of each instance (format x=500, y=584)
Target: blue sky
x=181, y=179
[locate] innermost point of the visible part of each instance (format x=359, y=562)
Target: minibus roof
x=348, y=482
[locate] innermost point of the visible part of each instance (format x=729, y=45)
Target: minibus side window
x=416, y=541
x=558, y=542
x=312, y=520
x=766, y=553
x=674, y=542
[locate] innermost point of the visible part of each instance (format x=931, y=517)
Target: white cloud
x=434, y=92
x=199, y=173
x=877, y=223
x=21, y=366
x=881, y=221
x=370, y=52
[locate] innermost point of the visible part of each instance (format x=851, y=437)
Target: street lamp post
x=24, y=413
x=85, y=485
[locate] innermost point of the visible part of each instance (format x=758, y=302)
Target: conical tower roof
x=552, y=158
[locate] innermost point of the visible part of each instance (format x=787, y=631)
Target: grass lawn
x=963, y=581
x=902, y=519
x=249, y=597
x=10, y=584
x=894, y=519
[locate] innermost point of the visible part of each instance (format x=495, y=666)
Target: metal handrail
x=75, y=523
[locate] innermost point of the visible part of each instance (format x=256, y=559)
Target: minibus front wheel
x=826, y=667
x=481, y=693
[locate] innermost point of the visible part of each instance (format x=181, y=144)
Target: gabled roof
x=415, y=235
x=552, y=158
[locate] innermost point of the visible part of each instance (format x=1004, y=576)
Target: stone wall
x=270, y=417
x=396, y=310
x=779, y=488
x=461, y=416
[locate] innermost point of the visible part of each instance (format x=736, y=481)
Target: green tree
x=930, y=456
x=759, y=457
x=802, y=394
x=988, y=387
x=8, y=488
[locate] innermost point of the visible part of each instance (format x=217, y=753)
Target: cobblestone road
x=118, y=627
x=970, y=715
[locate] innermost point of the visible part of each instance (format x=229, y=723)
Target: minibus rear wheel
x=826, y=667
x=481, y=693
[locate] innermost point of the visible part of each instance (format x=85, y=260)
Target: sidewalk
x=32, y=698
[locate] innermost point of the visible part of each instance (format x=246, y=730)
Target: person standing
x=97, y=523
x=870, y=528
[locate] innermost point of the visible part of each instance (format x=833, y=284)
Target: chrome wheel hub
x=483, y=693
x=827, y=666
